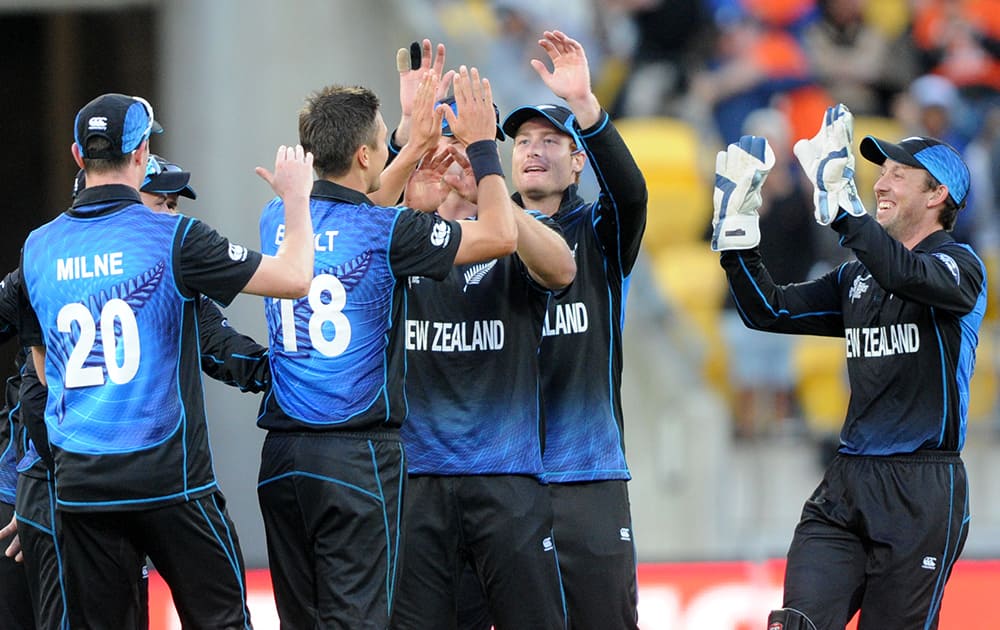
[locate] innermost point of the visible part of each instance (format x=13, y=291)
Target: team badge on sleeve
x=441, y=234
x=237, y=252
x=950, y=263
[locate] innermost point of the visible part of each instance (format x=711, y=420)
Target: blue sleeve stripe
x=605, y=119
x=770, y=308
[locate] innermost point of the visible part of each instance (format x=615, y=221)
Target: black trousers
x=43, y=560
x=500, y=524
x=15, y=599
x=192, y=544
x=331, y=506
x=593, y=526
x=879, y=535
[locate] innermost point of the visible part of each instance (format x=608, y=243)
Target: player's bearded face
x=902, y=195
x=544, y=160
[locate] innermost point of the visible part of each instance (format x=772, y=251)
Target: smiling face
x=545, y=162
x=908, y=208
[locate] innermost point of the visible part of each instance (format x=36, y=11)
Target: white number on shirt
x=125, y=347
x=330, y=311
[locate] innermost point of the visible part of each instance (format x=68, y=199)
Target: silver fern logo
x=476, y=273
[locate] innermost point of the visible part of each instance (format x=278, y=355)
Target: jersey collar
x=571, y=201
x=328, y=190
x=933, y=241
x=100, y=200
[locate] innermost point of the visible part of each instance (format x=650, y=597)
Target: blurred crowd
x=730, y=67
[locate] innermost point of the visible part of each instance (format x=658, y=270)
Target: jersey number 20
x=322, y=313
x=79, y=375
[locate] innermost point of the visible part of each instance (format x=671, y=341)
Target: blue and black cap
x=450, y=102
x=166, y=178
x=559, y=116
x=937, y=158
x=124, y=121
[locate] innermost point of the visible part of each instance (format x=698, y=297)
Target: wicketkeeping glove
x=740, y=172
x=829, y=164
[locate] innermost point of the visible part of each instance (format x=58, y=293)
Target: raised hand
x=293, y=175
x=412, y=63
x=740, y=172
x=829, y=163
x=426, y=189
x=475, y=119
x=570, y=75
x=425, y=123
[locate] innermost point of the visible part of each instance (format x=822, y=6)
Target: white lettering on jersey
x=569, y=319
x=474, y=336
x=885, y=341
x=322, y=242
x=78, y=267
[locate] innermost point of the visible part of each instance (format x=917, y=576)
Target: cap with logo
x=560, y=117
x=450, y=102
x=124, y=121
x=937, y=158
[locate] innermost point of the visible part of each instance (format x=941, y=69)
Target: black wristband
x=484, y=159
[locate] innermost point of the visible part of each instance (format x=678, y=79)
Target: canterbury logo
x=476, y=273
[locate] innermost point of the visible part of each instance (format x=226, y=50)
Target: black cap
x=165, y=178
x=124, y=121
x=559, y=116
x=450, y=102
x=938, y=158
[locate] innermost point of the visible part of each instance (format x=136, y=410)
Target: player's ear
x=75, y=150
x=363, y=156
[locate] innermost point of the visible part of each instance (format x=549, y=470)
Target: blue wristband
x=484, y=159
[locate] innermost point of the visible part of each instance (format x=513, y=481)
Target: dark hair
x=950, y=211
x=97, y=144
x=334, y=122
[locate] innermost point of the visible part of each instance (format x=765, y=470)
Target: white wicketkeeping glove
x=740, y=172
x=829, y=163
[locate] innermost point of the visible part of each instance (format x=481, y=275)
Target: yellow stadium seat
x=983, y=388
x=690, y=278
x=667, y=151
x=820, y=367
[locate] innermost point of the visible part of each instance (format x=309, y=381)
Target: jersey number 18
x=322, y=312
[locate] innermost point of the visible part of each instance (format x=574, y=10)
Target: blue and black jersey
x=337, y=359
x=910, y=320
x=473, y=381
x=12, y=438
x=226, y=355
x=114, y=290
x=581, y=352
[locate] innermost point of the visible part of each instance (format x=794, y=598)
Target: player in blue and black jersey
x=474, y=444
x=882, y=531
x=581, y=353
x=111, y=295
x=15, y=600
x=333, y=467
x=226, y=355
